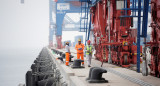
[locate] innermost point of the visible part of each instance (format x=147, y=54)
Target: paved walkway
x=117, y=76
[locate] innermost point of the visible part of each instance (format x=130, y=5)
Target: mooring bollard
x=77, y=63
x=29, y=78
x=95, y=75
x=44, y=71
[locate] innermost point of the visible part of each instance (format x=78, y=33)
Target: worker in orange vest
x=67, y=53
x=79, y=47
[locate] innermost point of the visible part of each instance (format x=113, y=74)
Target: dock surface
x=117, y=76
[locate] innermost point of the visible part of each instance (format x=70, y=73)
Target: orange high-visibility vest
x=79, y=46
x=67, y=58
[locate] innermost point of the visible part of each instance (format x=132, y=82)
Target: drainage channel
x=132, y=79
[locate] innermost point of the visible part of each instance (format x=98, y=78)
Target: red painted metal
x=59, y=43
x=155, y=38
x=122, y=37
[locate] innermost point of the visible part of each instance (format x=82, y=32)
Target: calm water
x=14, y=63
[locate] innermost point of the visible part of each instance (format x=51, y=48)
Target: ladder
x=84, y=16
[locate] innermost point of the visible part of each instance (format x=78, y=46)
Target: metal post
x=89, y=27
x=81, y=17
x=132, y=7
x=126, y=7
x=138, y=36
x=144, y=34
x=86, y=16
x=135, y=6
x=124, y=3
x=145, y=18
x=144, y=68
x=109, y=55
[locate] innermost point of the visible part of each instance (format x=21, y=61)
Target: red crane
x=155, y=38
x=114, y=33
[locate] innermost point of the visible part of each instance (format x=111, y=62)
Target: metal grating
x=132, y=79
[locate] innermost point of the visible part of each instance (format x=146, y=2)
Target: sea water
x=14, y=63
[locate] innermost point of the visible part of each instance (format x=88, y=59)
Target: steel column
x=144, y=34
x=89, y=27
x=109, y=55
x=138, y=36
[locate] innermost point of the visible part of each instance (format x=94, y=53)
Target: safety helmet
x=79, y=39
x=88, y=41
x=67, y=42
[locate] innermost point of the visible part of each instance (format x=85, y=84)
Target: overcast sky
x=23, y=33
x=23, y=25
x=26, y=25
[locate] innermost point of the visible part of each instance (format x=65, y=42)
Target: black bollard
x=29, y=78
x=63, y=55
x=90, y=71
x=35, y=61
x=45, y=76
x=47, y=82
x=44, y=69
x=60, y=53
x=96, y=75
x=34, y=68
x=70, y=59
x=77, y=63
x=61, y=59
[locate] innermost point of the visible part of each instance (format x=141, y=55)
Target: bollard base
x=74, y=67
x=98, y=81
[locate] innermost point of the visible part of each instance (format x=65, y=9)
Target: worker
x=67, y=53
x=89, y=50
x=80, y=47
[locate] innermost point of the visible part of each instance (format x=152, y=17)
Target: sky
x=24, y=31
x=24, y=25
